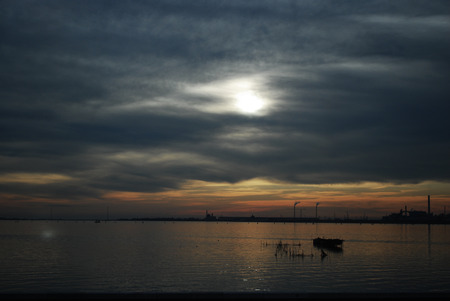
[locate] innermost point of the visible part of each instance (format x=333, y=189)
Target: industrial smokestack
x=428, y=204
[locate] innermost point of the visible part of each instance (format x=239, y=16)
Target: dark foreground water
x=186, y=257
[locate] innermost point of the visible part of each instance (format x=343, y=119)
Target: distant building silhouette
x=415, y=216
x=210, y=217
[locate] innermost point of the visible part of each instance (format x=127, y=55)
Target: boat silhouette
x=333, y=244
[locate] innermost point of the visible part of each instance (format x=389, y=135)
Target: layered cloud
x=141, y=96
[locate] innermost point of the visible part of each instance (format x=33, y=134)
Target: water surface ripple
x=173, y=257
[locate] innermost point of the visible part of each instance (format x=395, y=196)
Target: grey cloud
x=360, y=91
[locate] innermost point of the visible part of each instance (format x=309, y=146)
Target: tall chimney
x=428, y=204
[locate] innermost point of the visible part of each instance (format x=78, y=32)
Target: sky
x=171, y=108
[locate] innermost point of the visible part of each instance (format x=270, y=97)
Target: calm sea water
x=149, y=257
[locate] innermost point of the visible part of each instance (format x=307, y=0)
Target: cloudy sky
x=170, y=108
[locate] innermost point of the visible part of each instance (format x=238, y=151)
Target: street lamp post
x=295, y=204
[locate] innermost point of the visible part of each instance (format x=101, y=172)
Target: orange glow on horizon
x=262, y=196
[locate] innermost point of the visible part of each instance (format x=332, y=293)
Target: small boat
x=97, y=221
x=327, y=242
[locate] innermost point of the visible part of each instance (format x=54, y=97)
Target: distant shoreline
x=251, y=219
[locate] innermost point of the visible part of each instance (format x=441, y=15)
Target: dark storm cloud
x=98, y=91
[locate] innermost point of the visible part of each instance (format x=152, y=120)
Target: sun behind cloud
x=248, y=102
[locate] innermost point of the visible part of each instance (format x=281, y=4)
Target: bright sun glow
x=248, y=102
